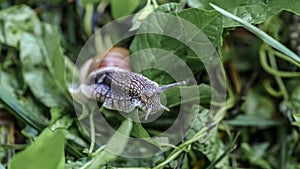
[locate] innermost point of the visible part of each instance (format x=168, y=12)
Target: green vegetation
x=256, y=40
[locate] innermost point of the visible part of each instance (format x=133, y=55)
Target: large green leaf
x=53, y=55
x=162, y=37
x=46, y=152
x=209, y=22
x=43, y=67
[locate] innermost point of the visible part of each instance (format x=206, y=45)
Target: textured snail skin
x=122, y=90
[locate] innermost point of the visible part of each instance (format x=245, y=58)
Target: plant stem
x=277, y=78
x=270, y=89
x=155, y=4
x=92, y=125
x=285, y=57
x=269, y=69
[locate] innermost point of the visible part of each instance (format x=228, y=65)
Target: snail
x=108, y=79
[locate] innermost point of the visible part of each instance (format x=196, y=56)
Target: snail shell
x=117, y=57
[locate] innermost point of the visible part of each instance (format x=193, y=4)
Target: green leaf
x=202, y=119
x=54, y=56
x=58, y=122
x=171, y=7
x=291, y=107
x=16, y=20
x=213, y=149
x=43, y=67
x=297, y=118
x=138, y=130
x=209, y=22
x=161, y=37
x=34, y=107
x=39, y=49
x=12, y=81
x=252, y=11
x=41, y=55
x=122, y=8
x=46, y=152
x=18, y=110
x=289, y=5
x=258, y=104
x=85, y=2
x=295, y=96
x=222, y=159
x=174, y=96
x=251, y=120
x=141, y=15
x=253, y=157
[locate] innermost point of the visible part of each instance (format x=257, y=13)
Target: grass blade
x=261, y=34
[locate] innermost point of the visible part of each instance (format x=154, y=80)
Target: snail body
x=120, y=89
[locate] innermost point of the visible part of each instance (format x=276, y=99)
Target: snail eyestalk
x=149, y=111
x=147, y=114
x=164, y=107
x=166, y=87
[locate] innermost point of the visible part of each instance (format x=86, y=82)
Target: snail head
x=151, y=99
